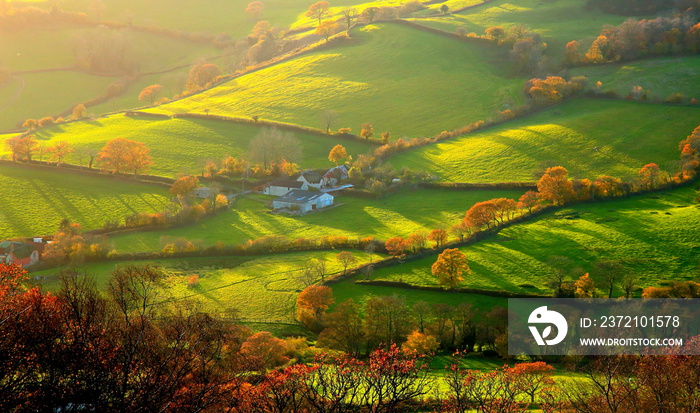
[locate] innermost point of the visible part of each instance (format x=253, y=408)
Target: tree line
x=135, y=349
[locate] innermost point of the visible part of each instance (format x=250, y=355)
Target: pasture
x=399, y=214
x=183, y=146
x=654, y=237
x=388, y=75
x=35, y=201
x=628, y=136
x=659, y=77
x=260, y=289
x=558, y=21
x=39, y=94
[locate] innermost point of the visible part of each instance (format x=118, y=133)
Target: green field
x=558, y=21
x=389, y=75
x=396, y=215
x=659, y=77
x=36, y=95
x=34, y=202
x=261, y=289
x=654, y=237
x=628, y=135
x=184, y=145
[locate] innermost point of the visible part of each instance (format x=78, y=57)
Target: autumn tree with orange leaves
x=312, y=303
x=555, y=186
x=150, y=93
x=337, y=154
x=22, y=147
x=319, y=11
x=122, y=154
x=438, y=236
x=449, y=267
x=650, y=174
x=59, y=151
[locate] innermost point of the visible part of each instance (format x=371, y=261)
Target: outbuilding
x=303, y=201
x=281, y=187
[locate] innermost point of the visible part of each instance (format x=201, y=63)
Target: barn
x=280, y=187
x=304, y=201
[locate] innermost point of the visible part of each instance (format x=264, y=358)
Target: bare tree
x=272, y=145
x=609, y=272
x=329, y=117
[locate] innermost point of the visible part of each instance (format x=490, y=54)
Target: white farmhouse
x=303, y=201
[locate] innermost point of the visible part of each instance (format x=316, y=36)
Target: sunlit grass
x=655, y=237
x=396, y=215
x=628, y=136
x=259, y=288
x=389, y=75
x=37, y=95
x=34, y=202
x=46, y=94
x=559, y=21
x=658, y=77
x=184, y=146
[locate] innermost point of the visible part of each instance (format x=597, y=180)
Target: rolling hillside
x=388, y=75
x=35, y=201
x=659, y=77
x=654, y=236
x=183, y=146
x=627, y=134
x=399, y=214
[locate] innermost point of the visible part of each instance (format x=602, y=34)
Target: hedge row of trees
x=357, y=329
x=134, y=349
x=118, y=155
x=635, y=39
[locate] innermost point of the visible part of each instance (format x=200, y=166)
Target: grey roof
x=297, y=196
x=312, y=177
x=286, y=183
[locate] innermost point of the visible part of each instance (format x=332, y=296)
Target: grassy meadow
x=660, y=77
x=35, y=201
x=399, y=214
x=627, y=134
x=260, y=288
x=388, y=75
x=183, y=146
x=558, y=21
x=35, y=95
x=654, y=237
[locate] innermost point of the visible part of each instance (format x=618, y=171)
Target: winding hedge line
x=84, y=170
x=462, y=290
x=280, y=125
x=465, y=186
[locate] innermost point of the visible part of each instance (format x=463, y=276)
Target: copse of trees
x=635, y=39
x=641, y=7
x=22, y=147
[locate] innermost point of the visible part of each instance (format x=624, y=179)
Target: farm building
x=280, y=187
x=303, y=201
x=335, y=175
x=24, y=254
x=311, y=179
x=204, y=192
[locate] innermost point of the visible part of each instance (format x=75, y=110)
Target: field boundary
x=84, y=170
x=460, y=290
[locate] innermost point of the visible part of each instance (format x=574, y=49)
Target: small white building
x=303, y=201
x=280, y=187
x=311, y=179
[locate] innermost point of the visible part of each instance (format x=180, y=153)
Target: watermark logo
x=543, y=316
